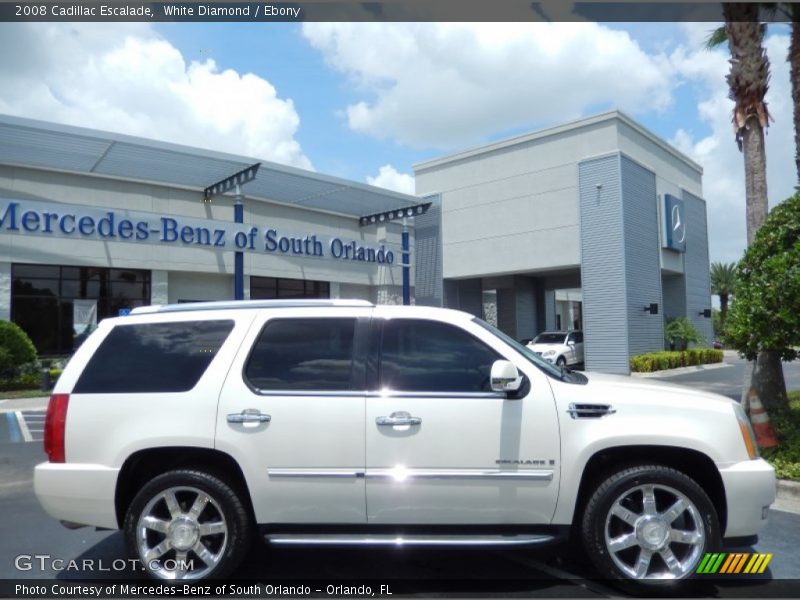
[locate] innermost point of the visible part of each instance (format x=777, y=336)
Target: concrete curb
x=789, y=490
x=788, y=497
x=682, y=370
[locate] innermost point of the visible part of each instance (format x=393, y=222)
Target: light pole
x=234, y=182
x=396, y=214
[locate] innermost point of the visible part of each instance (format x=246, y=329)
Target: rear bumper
x=78, y=493
x=749, y=492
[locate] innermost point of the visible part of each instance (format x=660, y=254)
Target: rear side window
x=303, y=354
x=153, y=357
x=429, y=356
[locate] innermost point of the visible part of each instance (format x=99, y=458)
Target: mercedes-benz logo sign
x=678, y=226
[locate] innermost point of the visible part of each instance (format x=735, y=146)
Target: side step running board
x=409, y=540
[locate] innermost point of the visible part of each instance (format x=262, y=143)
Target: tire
x=631, y=537
x=561, y=361
x=188, y=524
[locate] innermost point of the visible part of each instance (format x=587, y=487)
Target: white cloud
x=723, y=176
x=445, y=85
x=127, y=79
x=388, y=177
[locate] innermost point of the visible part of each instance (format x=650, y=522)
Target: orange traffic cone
x=765, y=434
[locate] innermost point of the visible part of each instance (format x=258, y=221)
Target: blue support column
x=406, y=267
x=238, y=259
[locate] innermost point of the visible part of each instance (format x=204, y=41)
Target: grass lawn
x=10, y=395
x=786, y=457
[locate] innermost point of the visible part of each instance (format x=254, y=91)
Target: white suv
x=192, y=427
x=559, y=347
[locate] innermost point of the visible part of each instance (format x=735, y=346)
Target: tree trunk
x=755, y=177
x=764, y=379
x=723, y=310
x=794, y=75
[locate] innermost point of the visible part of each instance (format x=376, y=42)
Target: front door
x=441, y=446
x=292, y=414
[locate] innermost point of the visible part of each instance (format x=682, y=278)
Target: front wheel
x=187, y=525
x=561, y=361
x=649, y=523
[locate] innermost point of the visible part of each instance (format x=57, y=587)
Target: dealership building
x=597, y=224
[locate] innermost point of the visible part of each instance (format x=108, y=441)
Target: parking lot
x=26, y=531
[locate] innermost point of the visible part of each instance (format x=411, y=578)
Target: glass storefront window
x=266, y=288
x=43, y=300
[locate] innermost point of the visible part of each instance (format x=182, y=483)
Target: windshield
x=549, y=338
x=529, y=354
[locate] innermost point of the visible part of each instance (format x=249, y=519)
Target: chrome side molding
x=400, y=474
x=391, y=539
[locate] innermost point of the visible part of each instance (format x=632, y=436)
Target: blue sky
x=366, y=101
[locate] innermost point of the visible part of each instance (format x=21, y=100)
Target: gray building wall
x=515, y=208
x=506, y=197
x=429, y=288
x=642, y=267
x=673, y=291
x=696, y=265
x=605, y=314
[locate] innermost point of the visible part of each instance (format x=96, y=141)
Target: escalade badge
x=534, y=462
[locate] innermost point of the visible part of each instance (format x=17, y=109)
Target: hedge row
x=658, y=361
x=23, y=381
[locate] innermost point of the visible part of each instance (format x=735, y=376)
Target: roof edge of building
x=113, y=137
x=555, y=130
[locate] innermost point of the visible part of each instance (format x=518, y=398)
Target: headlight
x=548, y=353
x=747, y=432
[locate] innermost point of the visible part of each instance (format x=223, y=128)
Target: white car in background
x=562, y=348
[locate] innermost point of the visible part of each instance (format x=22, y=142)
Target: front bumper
x=78, y=493
x=749, y=492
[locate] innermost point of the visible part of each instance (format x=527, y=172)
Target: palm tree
x=791, y=12
x=748, y=81
x=723, y=278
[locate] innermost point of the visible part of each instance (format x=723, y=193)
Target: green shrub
x=786, y=456
x=17, y=345
x=660, y=361
x=25, y=381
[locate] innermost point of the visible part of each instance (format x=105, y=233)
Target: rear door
x=292, y=414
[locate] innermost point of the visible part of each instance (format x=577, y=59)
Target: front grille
x=590, y=411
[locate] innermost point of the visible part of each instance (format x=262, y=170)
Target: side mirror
x=505, y=377
x=571, y=343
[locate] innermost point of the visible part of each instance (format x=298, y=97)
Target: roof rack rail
x=242, y=304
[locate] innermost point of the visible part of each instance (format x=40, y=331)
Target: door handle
x=398, y=418
x=250, y=415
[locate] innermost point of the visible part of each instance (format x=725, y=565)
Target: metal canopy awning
x=40, y=144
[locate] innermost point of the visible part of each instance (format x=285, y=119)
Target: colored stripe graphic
x=728, y=562
x=724, y=563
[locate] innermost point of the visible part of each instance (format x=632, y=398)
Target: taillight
x=54, y=425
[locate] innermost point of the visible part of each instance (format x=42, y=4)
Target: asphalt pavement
x=729, y=381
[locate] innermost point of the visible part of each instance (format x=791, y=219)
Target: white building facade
x=597, y=224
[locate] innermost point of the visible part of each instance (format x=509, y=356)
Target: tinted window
x=153, y=357
x=577, y=337
x=428, y=356
x=550, y=338
x=303, y=354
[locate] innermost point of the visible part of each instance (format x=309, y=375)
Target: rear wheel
x=649, y=523
x=187, y=525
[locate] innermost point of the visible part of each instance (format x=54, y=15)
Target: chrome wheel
x=181, y=534
x=653, y=531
